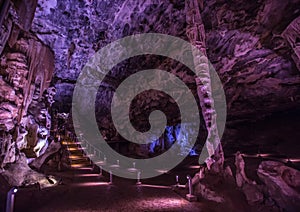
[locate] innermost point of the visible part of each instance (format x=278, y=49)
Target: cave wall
x=253, y=46
x=247, y=44
x=26, y=69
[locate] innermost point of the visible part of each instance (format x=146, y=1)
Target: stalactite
x=25, y=11
x=27, y=66
x=40, y=60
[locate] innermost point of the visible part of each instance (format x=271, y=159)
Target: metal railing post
x=190, y=196
x=138, y=178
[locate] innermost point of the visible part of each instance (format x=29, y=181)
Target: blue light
x=153, y=145
x=193, y=153
x=179, y=133
x=169, y=136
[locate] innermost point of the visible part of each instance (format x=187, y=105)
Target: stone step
x=80, y=165
x=83, y=161
x=68, y=143
x=78, y=159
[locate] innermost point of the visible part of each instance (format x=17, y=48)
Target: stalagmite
x=196, y=34
x=240, y=175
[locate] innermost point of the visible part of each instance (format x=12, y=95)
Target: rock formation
x=240, y=175
x=244, y=61
x=282, y=184
x=196, y=35
x=45, y=44
x=249, y=187
x=26, y=71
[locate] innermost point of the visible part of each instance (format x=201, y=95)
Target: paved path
x=84, y=190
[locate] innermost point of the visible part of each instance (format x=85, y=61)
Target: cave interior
x=149, y=105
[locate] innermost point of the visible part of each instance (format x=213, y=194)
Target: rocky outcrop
x=20, y=174
x=240, y=175
x=250, y=189
x=204, y=183
x=282, y=184
x=53, y=148
x=253, y=194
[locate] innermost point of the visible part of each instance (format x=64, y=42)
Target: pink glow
x=87, y=175
x=90, y=184
x=155, y=186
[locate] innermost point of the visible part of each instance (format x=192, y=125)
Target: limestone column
x=196, y=34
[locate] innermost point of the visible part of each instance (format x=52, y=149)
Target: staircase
x=77, y=157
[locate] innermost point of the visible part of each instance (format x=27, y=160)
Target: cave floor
x=83, y=190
